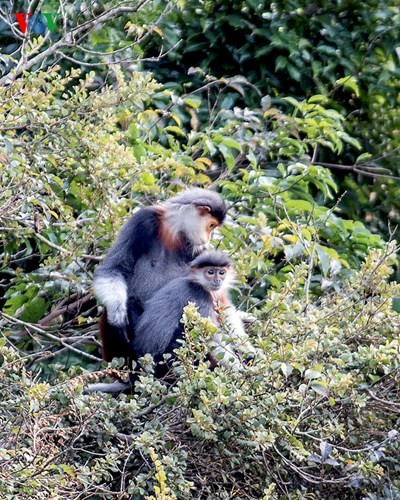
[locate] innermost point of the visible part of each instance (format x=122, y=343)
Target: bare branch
x=59, y=310
x=364, y=170
x=69, y=39
x=54, y=338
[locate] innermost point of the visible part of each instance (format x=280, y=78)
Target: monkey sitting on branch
x=160, y=330
x=154, y=247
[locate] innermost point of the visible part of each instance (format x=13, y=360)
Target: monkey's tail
x=110, y=388
x=113, y=387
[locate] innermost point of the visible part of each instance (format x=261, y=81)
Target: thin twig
x=30, y=326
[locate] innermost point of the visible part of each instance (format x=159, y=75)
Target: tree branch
x=60, y=309
x=69, y=39
x=368, y=172
x=54, y=338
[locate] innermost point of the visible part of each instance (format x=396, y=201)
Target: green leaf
x=175, y=130
x=320, y=389
x=292, y=101
x=286, y=369
x=232, y=143
x=318, y=98
x=139, y=151
x=147, y=179
x=67, y=469
x=193, y=102
x=300, y=205
x=312, y=374
x=14, y=303
x=363, y=158
x=133, y=133
x=396, y=304
x=34, y=310
x=350, y=82
x=323, y=258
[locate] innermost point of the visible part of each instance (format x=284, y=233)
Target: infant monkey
x=159, y=329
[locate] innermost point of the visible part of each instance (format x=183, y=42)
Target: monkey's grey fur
x=160, y=329
x=152, y=248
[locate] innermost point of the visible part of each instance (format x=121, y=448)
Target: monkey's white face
x=194, y=222
x=198, y=226
x=212, y=278
x=215, y=277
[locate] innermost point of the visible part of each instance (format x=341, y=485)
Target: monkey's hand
x=246, y=317
x=222, y=351
x=112, y=292
x=117, y=315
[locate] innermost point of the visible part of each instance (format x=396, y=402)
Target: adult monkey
x=154, y=247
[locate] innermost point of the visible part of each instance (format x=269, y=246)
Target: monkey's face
x=206, y=223
x=194, y=222
x=210, y=223
x=214, y=277
x=197, y=225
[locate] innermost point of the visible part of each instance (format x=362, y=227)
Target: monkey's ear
x=203, y=210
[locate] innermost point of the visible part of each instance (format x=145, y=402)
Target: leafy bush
x=315, y=411
x=344, y=51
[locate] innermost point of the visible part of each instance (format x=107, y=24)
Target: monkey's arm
x=111, y=280
x=160, y=324
x=232, y=335
x=235, y=327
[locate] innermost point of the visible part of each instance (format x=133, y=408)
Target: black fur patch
x=211, y=258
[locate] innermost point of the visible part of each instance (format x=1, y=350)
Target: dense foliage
x=343, y=50
x=315, y=413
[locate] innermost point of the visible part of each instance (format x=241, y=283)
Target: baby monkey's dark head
x=212, y=270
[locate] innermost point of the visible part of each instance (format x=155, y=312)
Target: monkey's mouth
x=214, y=288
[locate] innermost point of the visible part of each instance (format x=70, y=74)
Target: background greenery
x=290, y=110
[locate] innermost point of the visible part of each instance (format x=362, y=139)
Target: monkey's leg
x=114, y=339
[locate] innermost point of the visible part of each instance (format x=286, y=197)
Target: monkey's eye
x=210, y=272
x=212, y=225
x=222, y=272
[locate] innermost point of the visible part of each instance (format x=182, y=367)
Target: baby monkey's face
x=214, y=277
